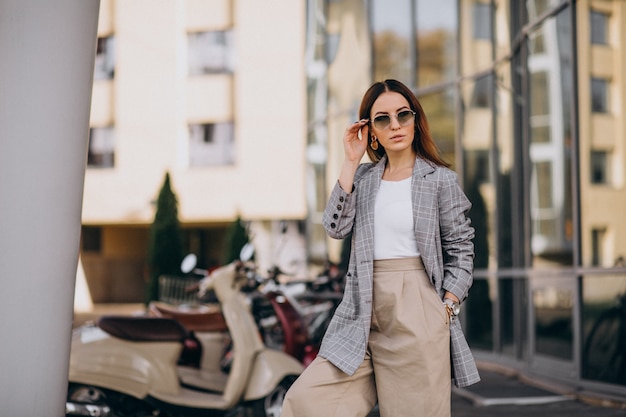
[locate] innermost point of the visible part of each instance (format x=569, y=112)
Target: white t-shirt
x=394, y=236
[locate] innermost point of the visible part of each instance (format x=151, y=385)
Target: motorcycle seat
x=199, y=319
x=143, y=329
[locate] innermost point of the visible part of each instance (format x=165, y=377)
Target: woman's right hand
x=355, y=146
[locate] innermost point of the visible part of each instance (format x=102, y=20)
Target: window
x=211, y=144
x=210, y=52
x=393, y=40
x=482, y=21
x=599, y=28
x=91, y=239
x=104, y=68
x=537, y=42
x=101, y=152
x=543, y=179
x=481, y=94
x=599, y=95
x=597, y=245
x=600, y=167
x=539, y=94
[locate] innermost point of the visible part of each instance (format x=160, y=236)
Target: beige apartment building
x=211, y=93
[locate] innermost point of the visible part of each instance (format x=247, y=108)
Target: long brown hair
x=423, y=144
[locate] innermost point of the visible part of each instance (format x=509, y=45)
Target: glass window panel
x=543, y=178
x=440, y=112
x=599, y=27
x=553, y=308
x=537, y=7
x=91, y=239
x=211, y=144
x=478, y=308
x=599, y=95
x=101, y=153
x=512, y=312
x=104, y=68
x=600, y=167
x=210, y=52
x=481, y=21
x=509, y=222
x=539, y=93
x=540, y=133
x=598, y=236
x=604, y=328
x=537, y=42
x=551, y=91
x=394, y=40
x=482, y=92
x=436, y=41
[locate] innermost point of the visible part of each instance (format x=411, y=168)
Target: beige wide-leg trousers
x=407, y=365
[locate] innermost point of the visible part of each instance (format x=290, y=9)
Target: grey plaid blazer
x=444, y=239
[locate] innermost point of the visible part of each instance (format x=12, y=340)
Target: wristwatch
x=452, y=307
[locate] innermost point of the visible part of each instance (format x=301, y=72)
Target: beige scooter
x=129, y=366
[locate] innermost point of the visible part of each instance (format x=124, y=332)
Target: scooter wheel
x=272, y=404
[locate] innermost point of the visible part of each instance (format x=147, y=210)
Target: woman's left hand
x=451, y=296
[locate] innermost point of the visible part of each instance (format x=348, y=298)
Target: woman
x=395, y=334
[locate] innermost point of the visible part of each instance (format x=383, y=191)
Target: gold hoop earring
x=374, y=143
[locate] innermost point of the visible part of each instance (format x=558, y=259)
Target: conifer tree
x=236, y=238
x=165, y=251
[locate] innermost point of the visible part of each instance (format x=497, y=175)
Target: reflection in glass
x=508, y=222
x=482, y=92
x=599, y=27
x=439, y=109
x=481, y=21
x=600, y=167
x=393, y=31
x=553, y=307
x=604, y=329
x=478, y=308
x=506, y=312
x=599, y=95
x=550, y=88
x=436, y=41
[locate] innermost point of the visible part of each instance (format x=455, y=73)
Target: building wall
x=150, y=101
x=603, y=132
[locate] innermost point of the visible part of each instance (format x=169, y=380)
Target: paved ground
x=505, y=395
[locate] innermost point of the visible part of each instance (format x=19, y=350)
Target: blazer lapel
x=424, y=196
x=371, y=183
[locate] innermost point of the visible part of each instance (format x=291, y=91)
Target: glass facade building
x=527, y=99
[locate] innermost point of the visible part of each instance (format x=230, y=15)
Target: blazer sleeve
x=338, y=217
x=456, y=237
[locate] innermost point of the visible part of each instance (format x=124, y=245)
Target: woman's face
x=393, y=122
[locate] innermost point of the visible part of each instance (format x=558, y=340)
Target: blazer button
x=339, y=207
x=335, y=216
x=333, y=225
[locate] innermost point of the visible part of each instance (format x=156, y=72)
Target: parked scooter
x=314, y=300
x=280, y=322
x=131, y=366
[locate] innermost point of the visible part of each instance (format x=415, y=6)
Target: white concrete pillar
x=47, y=51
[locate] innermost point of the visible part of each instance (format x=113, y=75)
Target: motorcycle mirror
x=246, y=252
x=189, y=263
